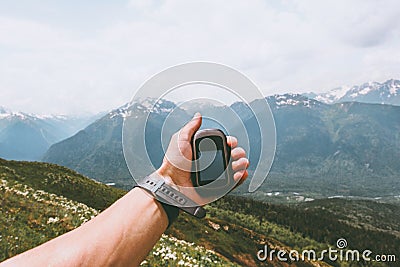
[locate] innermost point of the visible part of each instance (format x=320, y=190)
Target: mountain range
x=346, y=148
x=26, y=136
x=371, y=92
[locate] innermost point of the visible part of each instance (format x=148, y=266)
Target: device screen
x=211, y=172
x=211, y=160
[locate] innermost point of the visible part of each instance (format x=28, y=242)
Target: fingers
x=190, y=128
x=240, y=176
x=238, y=153
x=232, y=141
x=240, y=164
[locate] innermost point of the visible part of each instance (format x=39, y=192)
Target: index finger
x=232, y=141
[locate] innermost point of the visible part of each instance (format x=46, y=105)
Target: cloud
x=95, y=61
x=359, y=23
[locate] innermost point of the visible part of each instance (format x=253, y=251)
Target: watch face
x=212, y=166
x=211, y=160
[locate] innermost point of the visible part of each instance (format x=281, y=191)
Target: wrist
x=171, y=211
x=173, y=198
x=164, y=174
x=173, y=176
x=184, y=186
x=149, y=204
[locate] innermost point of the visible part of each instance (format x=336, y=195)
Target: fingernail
x=196, y=115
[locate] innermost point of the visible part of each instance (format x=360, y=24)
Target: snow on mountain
x=370, y=92
x=284, y=100
x=145, y=106
x=122, y=111
x=6, y=113
x=364, y=89
x=374, y=92
x=26, y=136
x=333, y=95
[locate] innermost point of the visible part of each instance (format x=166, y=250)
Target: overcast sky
x=89, y=56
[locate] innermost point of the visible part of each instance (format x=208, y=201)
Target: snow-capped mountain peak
x=27, y=136
x=333, y=95
x=122, y=111
x=371, y=92
x=393, y=86
x=291, y=100
x=147, y=105
x=363, y=89
x=6, y=113
x=153, y=105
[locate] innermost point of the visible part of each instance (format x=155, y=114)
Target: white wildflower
x=52, y=220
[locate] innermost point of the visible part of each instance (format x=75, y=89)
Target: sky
x=72, y=57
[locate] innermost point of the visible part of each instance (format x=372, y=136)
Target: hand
x=177, y=161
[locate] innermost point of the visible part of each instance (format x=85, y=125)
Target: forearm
x=121, y=235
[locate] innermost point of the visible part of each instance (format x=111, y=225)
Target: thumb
x=190, y=128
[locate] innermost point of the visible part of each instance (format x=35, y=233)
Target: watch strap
x=171, y=211
x=166, y=194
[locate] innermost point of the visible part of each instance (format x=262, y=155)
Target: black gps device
x=211, y=159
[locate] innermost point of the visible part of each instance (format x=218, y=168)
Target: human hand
x=177, y=162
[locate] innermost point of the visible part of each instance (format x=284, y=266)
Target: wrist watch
x=171, y=199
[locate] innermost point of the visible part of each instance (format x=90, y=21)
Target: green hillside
x=31, y=215
x=41, y=201
x=60, y=181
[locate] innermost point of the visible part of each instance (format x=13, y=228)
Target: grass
x=30, y=215
x=41, y=201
